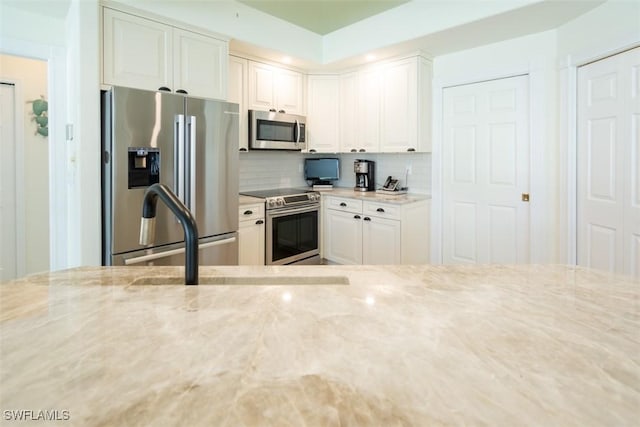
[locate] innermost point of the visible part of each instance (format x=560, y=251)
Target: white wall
x=261, y=170
x=238, y=21
x=83, y=113
x=534, y=55
x=30, y=77
x=20, y=24
x=66, y=35
x=604, y=31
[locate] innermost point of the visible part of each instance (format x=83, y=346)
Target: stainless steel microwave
x=270, y=130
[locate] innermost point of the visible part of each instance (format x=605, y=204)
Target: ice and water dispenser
x=144, y=167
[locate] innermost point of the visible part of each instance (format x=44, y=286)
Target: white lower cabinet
x=343, y=237
x=251, y=235
x=381, y=240
x=371, y=232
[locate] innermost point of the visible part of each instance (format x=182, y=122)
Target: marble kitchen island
x=371, y=346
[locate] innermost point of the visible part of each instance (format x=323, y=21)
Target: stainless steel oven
x=292, y=226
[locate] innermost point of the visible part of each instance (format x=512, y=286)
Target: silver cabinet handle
x=158, y=255
x=191, y=170
x=178, y=158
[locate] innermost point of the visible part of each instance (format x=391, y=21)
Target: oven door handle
x=277, y=212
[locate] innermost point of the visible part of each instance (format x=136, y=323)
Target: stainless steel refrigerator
x=188, y=144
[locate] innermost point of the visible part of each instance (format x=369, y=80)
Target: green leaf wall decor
x=39, y=108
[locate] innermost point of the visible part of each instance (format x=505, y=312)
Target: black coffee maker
x=365, y=175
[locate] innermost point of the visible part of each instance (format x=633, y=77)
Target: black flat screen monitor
x=322, y=171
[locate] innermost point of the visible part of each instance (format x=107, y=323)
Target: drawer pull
x=259, y=222
x=353, y=150
x=343, y=204
x=248, y=212
x=366, y=218
x=356, y=217
x=379, y=210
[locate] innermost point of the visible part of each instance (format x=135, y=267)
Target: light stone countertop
x=248, y=200
x=397, y=346
x=375, y=196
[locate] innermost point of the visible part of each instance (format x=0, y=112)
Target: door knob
x=525, y=197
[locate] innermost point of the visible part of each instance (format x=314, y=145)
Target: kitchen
x=551, y=41
x=397, y=293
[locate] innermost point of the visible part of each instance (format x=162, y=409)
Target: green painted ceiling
x=322, y=16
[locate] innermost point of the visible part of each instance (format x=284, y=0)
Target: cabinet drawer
x=344, y=204
x=250, y=212
x=381, y=210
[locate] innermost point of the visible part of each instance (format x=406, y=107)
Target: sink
x=246, y=280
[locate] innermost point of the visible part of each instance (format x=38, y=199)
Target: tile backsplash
x=261, y=170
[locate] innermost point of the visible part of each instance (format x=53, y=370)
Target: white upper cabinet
x=273, y=88
x=323, y=114
x=237, y=93
x=395, y=104
x=382, y=108
x=348, y=105
x=368, y=136
x=399, y=107
x=136, y=51
x=147, y=54
x=199, y=64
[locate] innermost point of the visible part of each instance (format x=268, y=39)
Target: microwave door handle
x=178, y=158
x=296, y=132
x=191, y=165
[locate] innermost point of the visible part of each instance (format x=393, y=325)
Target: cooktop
x=277, y=192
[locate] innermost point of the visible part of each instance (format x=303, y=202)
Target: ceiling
x=322, y=16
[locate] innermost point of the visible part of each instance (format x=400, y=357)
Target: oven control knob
x=272, y=203
x=280, y=202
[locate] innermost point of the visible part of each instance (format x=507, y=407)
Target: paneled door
x=608, y=148
x=8, y=228
x=486, y=172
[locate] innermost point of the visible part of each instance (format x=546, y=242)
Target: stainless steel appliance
x=293, y=225
x=271, y=130
x=365, y=175
x=188, y=144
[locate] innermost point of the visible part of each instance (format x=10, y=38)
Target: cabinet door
x=369, y=111
x=136, y=52
x=261, y=86
x=323, y=114
x=289, y=92
x=348, y=113
x=200, y=65
x=237, y=93
x=399, y=107
x=380, y=241
x=251, y=242
x=343, y=237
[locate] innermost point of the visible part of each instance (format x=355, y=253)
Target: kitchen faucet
x=148, y=226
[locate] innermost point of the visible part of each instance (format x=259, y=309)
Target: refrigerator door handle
x=179, y=158
x=191, y=170
x=164, y=254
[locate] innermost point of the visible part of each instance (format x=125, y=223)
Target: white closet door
x=486, y=172
x=608, y=149
x=8, y=237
